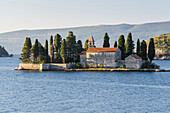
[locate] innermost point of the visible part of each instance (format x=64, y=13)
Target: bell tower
x=91, y=41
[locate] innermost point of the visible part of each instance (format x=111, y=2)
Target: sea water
x=83, y=91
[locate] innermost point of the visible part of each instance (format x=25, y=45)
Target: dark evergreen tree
x=129, y=45
x=106, y=41
x=71, y=46
x=151, y=50
x=57, y=42
x=79, y=49
x=121, y=45
x=30, y=44
x=63, y=51
x=46, y=47
x=86, y=45
x=41, y=53
x=51, y=40
x=35, y=51
x=80, y=46
x=138, y=48
x=51, y=51
x=115, y=44
x=143, y=50
x=26, y=51
x=58, y=58
x=46, y=51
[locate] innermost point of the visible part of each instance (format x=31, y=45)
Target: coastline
x=99, y=70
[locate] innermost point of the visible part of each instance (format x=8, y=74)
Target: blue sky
x=42, y=14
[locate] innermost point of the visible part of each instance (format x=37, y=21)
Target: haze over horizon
x=43, y=14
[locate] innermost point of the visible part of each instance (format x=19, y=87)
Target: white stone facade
x=107, y=59
x=133, y=61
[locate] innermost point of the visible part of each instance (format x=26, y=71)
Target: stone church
x=108, y=57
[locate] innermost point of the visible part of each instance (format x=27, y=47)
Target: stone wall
x=131, y=62
x=41, y=67
x=82, y=59
x=29, y=66
x=107, y=59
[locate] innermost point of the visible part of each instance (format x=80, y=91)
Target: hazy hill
x=13, y=41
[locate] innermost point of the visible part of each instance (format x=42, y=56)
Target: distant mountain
x=14, y=41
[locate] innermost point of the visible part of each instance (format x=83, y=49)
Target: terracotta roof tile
x=136, y=57
x=100, y=49
x=83, y=53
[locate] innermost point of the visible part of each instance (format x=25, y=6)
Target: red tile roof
x=100, y=49
x=136, y=57
x=83, y=53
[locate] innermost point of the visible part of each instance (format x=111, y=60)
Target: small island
x=69, y=55
x=4, y=53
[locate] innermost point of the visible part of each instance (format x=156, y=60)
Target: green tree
x=51, y=40
x=41, y=53
x=63, y=51
x=26, y=51
x=106, y=41
x=143, y=50
x=138, y=48
x=80, y=48
x=151, y=49
x=35, y=51
x=58, y=58
x=115, y=44
x=129, y=45
x=86, y=45
x=57, y=42
x=71, y=46
x=46, y=51
x=51, y=51
x=121, y=45
x=30, y=44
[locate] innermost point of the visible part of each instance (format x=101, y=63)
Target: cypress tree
x=129, y=45
x=51, y=40
x=41, y=53
x=80, y=48
x=51, y=51
x=121, y=45
x=57, y=42
x=30, y=44
x=138, y=48
x=115, y=44
x=35, y=51
x=71, y=46
x=106, y=41
x=143, y=50
x=86, y=45
x=26, y=51
x=46, y=51
x=46, y=47
x=151, y=49
x=63, y=51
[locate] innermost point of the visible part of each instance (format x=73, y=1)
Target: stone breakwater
x=67, y=68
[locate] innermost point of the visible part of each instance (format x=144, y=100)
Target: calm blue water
x=83, y=91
